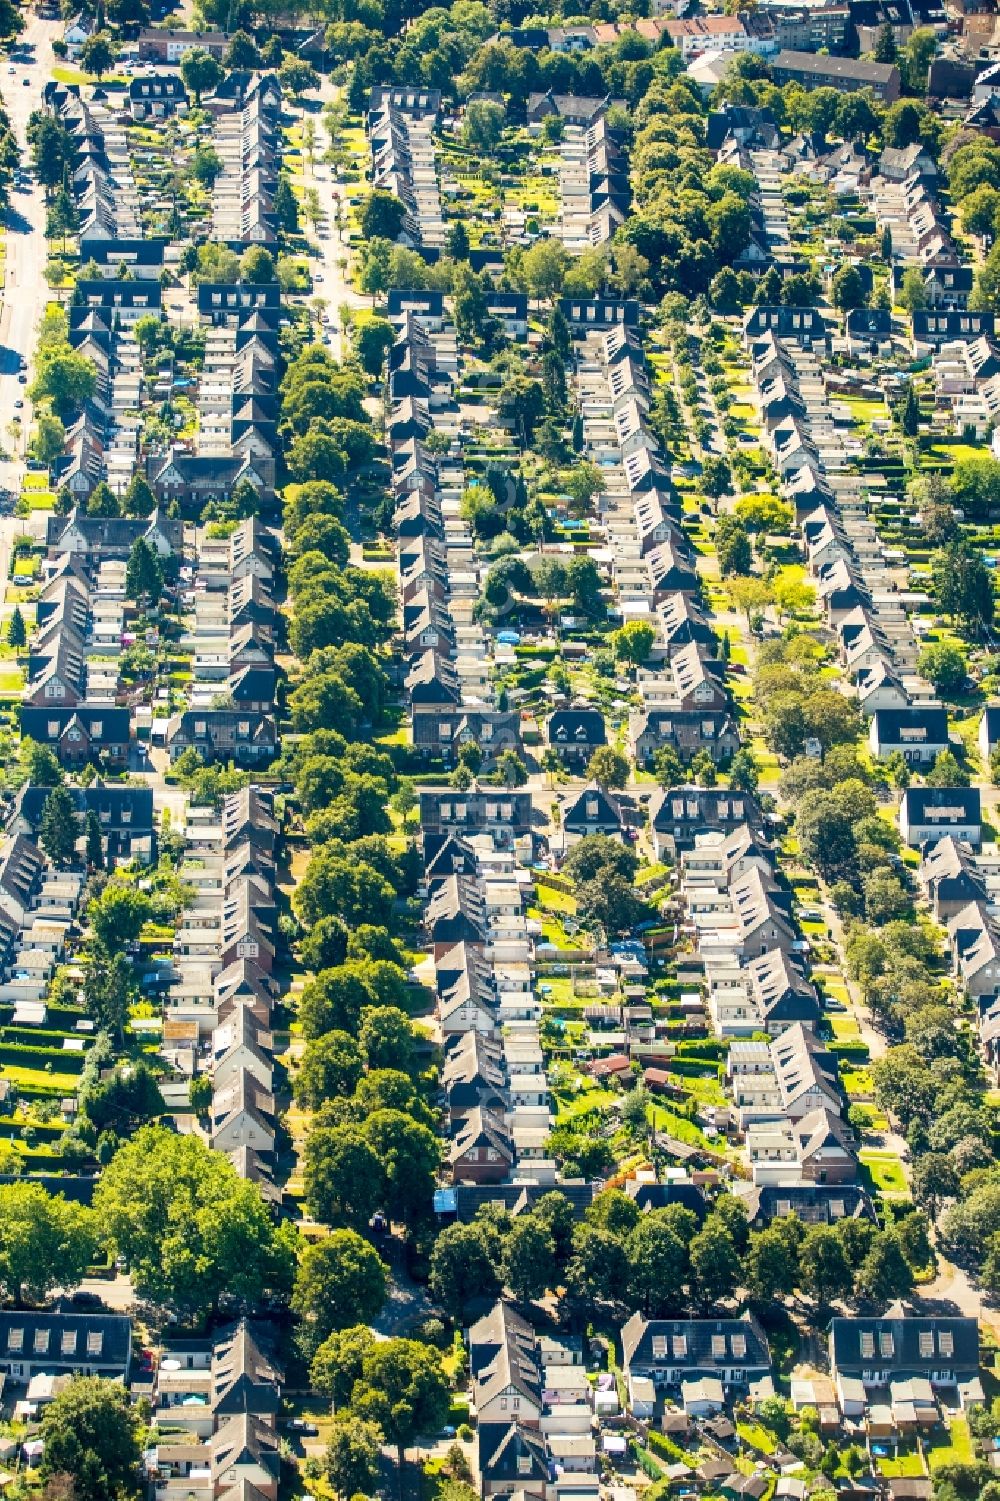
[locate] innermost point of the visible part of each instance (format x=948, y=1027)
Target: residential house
x=876, y=1351
x=927, y=814
x=933, y=327
x=594, y=810
x=678, y=815
x=816, y=1149
x=504, y=813
x=670, y=1351
x=575, y=734
x=228, y=734
x=988, y=737
x=919, y=734
x=80, y=733
x=512, y=1459
x=156, y=45
x=124, y=814
x=156, y=97
x=950, y=877
x=812, y=1203
x=90, y=1344
x=847, y=75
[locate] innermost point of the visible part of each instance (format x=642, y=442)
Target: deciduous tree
x=90, y=1432
x=339, y=1279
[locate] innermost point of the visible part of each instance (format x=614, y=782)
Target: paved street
x=25, y=292
x=331, y=284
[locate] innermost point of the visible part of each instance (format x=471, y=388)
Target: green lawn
x=958, y=451
x=554, y=900
x=904, y=1466
x=885, y=1170
x=38, y=1079
x=757, y=1436
x=958, y=1451
x=857, y=1082
x=590, y=1097
x=844, y=1028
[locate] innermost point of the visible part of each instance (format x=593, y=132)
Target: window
x=199, y=727
x=243, y=728
x=15, y=1339
x=867, y=1344
x=925, y=1341
x=886, y=1345
x=680, y=1346
x=96, y=729
x=68, y=1346
x=95, y=1343
x=41, y=1342
x=659, y=1346
x=718, y=1347
x=946, y=1342
x=53, y=728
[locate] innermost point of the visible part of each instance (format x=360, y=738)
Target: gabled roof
x=244, y=1379
x=481, y=1128
x=593, y=804
x=697, y=1343
x=515, y=1453
x=910, y=1342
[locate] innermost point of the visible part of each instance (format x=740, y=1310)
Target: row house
x=678, y=1354
x=679, y=816
x=784, y=1080
x=950, y=876
x=101, y=179
x=124, y=815
x=403, y=163
x=38, y=904
x=770, y=994
x=226, y=940
x=247, y=138
x=216, y=1415
x=534, y=1409
x=221, y=971
x=818, y=1148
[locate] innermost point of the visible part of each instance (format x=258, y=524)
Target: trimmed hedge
x=709, y=1048
x=44, y=1130
x=60, y=1018
x=36, y=1037
x=849, y=1049
x=691, y=1069
x=21, y=1057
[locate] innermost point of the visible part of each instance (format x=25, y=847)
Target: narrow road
x=329, y=275
x=25, y=291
